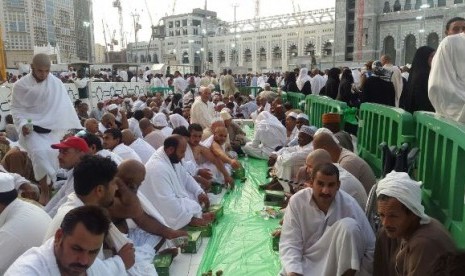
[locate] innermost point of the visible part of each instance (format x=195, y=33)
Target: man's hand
x=26, y=131
x=203, y=198
x=235, y=164
x=127, y=254
x=205, y=173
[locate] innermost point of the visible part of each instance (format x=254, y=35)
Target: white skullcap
x=112, y=106
x=327, y=131
x=303, y=116
x=310, y=130
x=159, y=120
x=292, y=114
x=225, y=114
x=7, y=183
x=219, y=103
x=400, y=186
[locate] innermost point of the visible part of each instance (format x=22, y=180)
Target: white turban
x=7, y=183
x=303, y=116
x=159, y=120
x=327, y=131
x=400, y=186
x=310, y=130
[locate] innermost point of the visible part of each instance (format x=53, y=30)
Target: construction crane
x=117, y=4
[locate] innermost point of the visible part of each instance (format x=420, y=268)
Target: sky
x=104, y=10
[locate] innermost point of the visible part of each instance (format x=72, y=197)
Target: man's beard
x=67, y=269
x=173, y=158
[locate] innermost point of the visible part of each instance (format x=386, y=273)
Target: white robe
x=171, y=190
x=313, y=243
x=22, y=226
x=289, y=161
x=200, y=114
x=42, y=103
x=446, y=84
x=126, y=152
x=396, y=81
x=40, y=261
x=134, y=127
x=143, y=149
x=317, y=83
x=61, y=196
x=352, y=186
x=294, y=135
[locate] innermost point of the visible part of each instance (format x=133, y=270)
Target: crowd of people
x=103, y=192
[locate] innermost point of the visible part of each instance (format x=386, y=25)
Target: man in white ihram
x=42, y=98
x=325, y=232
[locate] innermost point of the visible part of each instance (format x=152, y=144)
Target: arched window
x=441, y=3
x=433, y=40
x=293, y=51
x=328, y=49
x=386, y=7
x=310, y=50
x=185, y=58
x=142, y=58
x=397, y=6
x=155, y=58
x=248, y=55
x=210, y=57
x=408, y=5
x=262, y=54
x=221, y=56
x=277, y=53
x=410, y=48
x=389, y=48
x=234, y=56
x=149, y=58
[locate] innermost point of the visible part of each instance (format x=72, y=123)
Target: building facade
x=39, y=23
x=366, y=29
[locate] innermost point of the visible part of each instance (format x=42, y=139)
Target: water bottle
x=246, y=163
x=29, y=126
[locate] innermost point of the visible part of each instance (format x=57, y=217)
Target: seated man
x=172, y=190
x=151, y=135
x=291, y=126
x=302, y=120
x=141, y=147
x=22, y=224
x=108, y=121
x=325, y=232
x=347, y=159
x=91, y=126
x=237, y=136
x=332, y=121
x=410, y=242
x=270, y=134
x=84, y=228
x=113, y=141
x=288, y=160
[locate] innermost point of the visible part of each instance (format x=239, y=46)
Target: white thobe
x=22, y=226
x=172, y=190
x=61, y=196
x=200, y=114
x=39, y=261
x=167, y=131
x=315, y=243
x=294, y=134
x=180, y=85
x=126, y=152
x=133, y=126
x=352, y=186
x=115, y=263
x=289, y=160
x=143, y=149
x=114, y=157
x=266, y=140
x=446, y=84
x=317, y=83
x=396, y=80
x=42, y=103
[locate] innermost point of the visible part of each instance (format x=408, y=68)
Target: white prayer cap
x=327, y=131
x=219, y=103
x=112, y=106
x=302, y=116
x=400, y=186
x=292, y=114
x=7, y=183
x=159, y=120
x=310, y=130
x=225, y=114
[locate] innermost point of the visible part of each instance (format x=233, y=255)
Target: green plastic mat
x=241, y=241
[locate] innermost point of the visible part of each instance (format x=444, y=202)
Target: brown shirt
x=358, y=168
x=415, y=256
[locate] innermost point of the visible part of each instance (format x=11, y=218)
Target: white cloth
x=180, y=85
x=138, y=105
x=177, y=120
x=269, y=134
x=114, y=157
x=143, y=149
x=200, y=114
x=97, y=114
x=400, y=186
x=446, y=84
x=126, y=152
x=114, y=264
x=315, y=243
x=317, y=83
x=155, y=138
x=352, y=186
x=171, y=190
x=289, y=160
x=39, y=261
x=133, y=126
x=22, y=226
x=302, y=78
x=42, y=103
x=294, y=135
x=396, y=79
x=166, y=131
x=61, y=196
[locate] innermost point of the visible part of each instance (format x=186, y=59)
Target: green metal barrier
x=249, y=90
x=380, y=123
x=440, y=168
x=316, y=106
x=295, y=98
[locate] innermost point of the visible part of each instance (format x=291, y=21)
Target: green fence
x=249, y=90
x=380, y=123
x=316, y=106
x=440, y=168
x=295, y=98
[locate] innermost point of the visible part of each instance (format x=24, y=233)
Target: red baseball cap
x=74, y=143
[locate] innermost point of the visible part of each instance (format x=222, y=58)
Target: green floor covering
x=241, y=240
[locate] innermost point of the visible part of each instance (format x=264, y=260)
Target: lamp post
x=86, y=24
